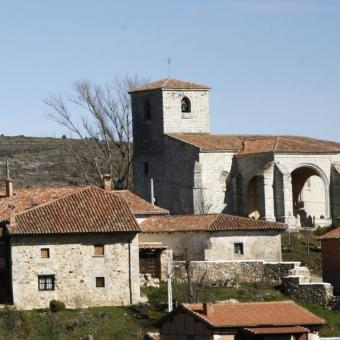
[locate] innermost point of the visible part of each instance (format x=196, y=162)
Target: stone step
x=300, y=271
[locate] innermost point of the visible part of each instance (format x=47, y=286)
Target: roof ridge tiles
x=170, y=84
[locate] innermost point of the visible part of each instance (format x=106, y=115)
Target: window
x=185, y=104
x=100, y=282
x=46, y=282
x=147, y=110
x=45, y=253
x=238, y=248
x=99, y=250
x=146, y=168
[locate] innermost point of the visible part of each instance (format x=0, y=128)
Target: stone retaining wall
x=295, y=280
x=314, y=292
x=221, y=273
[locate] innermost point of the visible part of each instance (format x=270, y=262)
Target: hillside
x=39, y=160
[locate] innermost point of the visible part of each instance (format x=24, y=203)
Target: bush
x=56, y=306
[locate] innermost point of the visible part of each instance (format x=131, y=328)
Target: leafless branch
x=104, y=125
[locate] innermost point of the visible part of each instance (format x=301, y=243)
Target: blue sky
x=274, y=66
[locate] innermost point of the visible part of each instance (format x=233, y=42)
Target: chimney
x=9, y=182
x=9, y=187
x=11, y=208
x=107, y=182
x=207, y=308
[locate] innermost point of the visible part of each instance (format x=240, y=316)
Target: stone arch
x=253, y=198
x=185, y=104
x=310, y=194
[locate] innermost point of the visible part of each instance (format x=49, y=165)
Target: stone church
x=180, y=165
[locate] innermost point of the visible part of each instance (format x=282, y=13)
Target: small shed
x=330, y=254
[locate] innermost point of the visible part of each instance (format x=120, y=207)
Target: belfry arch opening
x=253, y=202
x=310, y=196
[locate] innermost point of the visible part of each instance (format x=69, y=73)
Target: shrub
x=56, y=306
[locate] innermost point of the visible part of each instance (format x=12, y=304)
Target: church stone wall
x=75, y=267
x=219, y=246
x=196, y=121
x=170, y=162
x=248, y=167
x=214, y=193
x=175, y=191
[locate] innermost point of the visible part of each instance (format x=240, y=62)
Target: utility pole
x=169, y=288
x=289, y=227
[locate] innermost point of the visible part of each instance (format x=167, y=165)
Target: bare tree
x=104, y=129
x=188, y=271
x=204, y=205
x=194, y=278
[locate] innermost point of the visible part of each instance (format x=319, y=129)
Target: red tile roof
x=90, y=210
x=24, y=199
x=251, y=144
x=170, y=84
x=139, y=206
x=335, y=233
x=208, y=222
x=255, y=314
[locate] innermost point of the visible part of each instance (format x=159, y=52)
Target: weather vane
x=169, y=64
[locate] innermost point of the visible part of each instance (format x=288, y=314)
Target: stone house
x=289, y=179
x=215, y=237
x=330, y=255
x=244, y=321
x=80, y=248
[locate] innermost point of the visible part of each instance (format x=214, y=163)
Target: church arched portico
x=310, y=196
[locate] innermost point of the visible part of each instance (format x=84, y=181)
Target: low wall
x=225, y=273
x=221, y=273
x=314, y=292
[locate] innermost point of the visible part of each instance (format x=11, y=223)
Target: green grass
x=332, y=318
x=102, y=323
x=132, y=323
x=245, y=292
x=297, y=251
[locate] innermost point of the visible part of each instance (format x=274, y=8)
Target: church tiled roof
x=89, y=210
x=252, y=144
x=170, y=84
x=206, y=222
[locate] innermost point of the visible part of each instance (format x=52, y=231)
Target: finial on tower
x=169, y=64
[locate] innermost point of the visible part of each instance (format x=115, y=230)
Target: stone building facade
x=215, y=237
x=277, y=178
x=75, y=268
x=219, y=246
